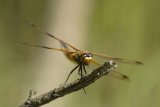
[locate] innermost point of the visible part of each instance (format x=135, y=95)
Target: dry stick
x=69, y=88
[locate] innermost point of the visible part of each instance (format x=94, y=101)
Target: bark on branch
x=91, y=77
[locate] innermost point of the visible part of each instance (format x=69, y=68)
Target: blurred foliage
x=14, y=73
x=126, y=29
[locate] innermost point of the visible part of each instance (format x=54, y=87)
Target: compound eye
x=86, y=55
x=83, y=55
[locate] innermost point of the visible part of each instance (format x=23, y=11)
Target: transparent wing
x=67, y=51
x=115, y=74
x=119, y=59
x=118, y=75
x=41, y=30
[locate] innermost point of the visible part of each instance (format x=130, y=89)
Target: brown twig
x=69, y=88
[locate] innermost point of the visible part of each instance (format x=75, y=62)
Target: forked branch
x=91, y=77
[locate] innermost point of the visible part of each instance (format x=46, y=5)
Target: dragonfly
x=81, y=57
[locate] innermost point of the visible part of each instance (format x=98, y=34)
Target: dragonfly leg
x=84, y=70
x=71, y=73
x=80, y=73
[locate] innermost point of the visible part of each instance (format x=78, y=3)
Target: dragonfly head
x=87, y=58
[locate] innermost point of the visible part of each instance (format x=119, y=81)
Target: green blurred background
x=125, y=29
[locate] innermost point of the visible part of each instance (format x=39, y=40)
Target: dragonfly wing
x=118, y=75
x=64, y=46
x=41, y=30
x=45, y=47
x=115, y=74
x=119, y=59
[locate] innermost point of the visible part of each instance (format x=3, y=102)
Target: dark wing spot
x=117, y=58
x=45, y=47
x=139, y=62
x=126, y=77
x=49, y=34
